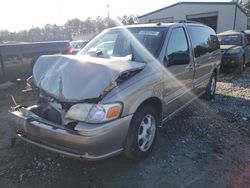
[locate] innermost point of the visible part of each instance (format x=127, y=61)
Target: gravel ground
x=205, y=145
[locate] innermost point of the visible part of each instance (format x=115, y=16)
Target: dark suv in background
x=235, y=49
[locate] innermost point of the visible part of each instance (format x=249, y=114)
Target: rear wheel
x=244, y=62
x=211, y=87
x=142, y=133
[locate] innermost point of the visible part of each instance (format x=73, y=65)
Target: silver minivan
x=115, y=94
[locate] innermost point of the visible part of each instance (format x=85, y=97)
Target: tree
x=99, y=24
x=237, y=1
x=70, y=29
x=128, y=20
x=246, y=6
x=35, y=34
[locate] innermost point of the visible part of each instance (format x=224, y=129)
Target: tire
x=240, y=68
x=139, y=148
x=244, y=62
x=211, y=87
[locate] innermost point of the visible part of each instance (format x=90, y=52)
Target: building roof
x=203, y=3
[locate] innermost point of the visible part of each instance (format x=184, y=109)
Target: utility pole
x=107, y=5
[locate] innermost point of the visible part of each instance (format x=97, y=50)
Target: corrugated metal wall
x=225, y=12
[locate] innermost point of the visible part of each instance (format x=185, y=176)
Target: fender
x=146, y=95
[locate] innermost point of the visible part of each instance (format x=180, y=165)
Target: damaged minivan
x=119, y=90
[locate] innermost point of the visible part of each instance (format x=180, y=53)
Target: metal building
x=221, y=16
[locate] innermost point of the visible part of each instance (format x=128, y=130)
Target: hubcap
x=212, y=87
x=146, y=132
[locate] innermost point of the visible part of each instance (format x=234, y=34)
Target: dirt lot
x=205, y=145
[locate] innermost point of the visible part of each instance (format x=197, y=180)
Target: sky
x=16, y=15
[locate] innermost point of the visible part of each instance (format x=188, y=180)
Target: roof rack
x=180, y=21
x=188, y=21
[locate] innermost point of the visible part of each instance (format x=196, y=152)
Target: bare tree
x=70, y=29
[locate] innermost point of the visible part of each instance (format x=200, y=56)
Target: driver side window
x=177, y=43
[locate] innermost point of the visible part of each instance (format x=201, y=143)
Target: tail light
x=69, y=50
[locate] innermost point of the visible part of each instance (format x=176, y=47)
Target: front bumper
x=90, y=142
x=231, y=60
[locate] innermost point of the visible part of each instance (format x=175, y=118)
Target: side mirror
x=178, y=58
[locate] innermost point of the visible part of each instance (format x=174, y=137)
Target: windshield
x=230, y=40
x=123, y=43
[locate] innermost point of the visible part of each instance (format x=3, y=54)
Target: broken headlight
x=94, y=113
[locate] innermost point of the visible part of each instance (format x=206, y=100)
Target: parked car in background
x=17, y=60
x=235, y=49
x=119, y=90
x=247, y=34
x=77, y=45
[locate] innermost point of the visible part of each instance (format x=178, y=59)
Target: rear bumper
x=90, y=142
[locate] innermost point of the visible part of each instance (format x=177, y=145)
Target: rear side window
x=230, y=39
x=204, y=40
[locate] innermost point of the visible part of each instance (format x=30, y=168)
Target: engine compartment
x=53, y=111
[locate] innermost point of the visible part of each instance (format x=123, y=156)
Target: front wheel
x=142, y=133
x=211, y=87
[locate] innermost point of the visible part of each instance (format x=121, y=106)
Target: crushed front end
x=45, y=125
x=69, y=117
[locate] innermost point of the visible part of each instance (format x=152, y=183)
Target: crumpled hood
x=73, y=78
